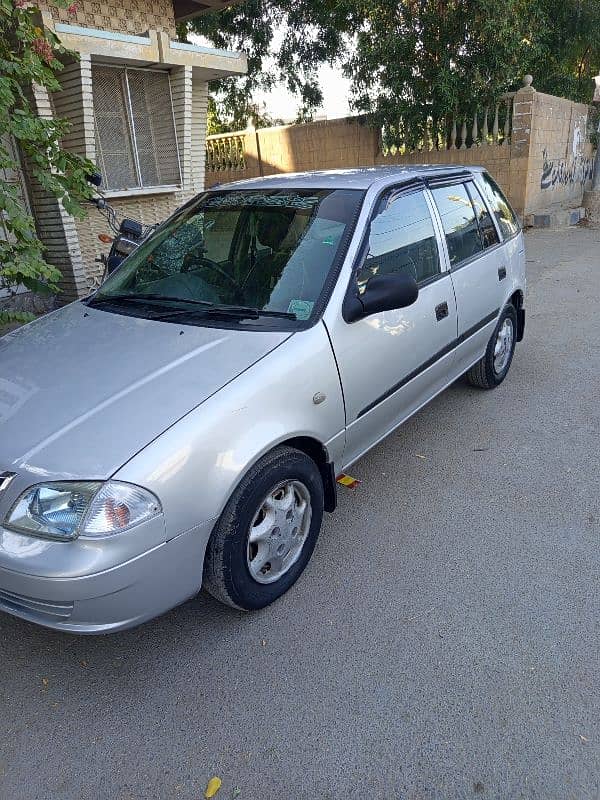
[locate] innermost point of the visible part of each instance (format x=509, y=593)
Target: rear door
x=477, y=265
x=392, y=362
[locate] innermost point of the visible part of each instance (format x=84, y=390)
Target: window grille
x=136, y=144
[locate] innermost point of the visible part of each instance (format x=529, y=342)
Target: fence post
x=520, y=144
x=252, y=148
x=258, y=155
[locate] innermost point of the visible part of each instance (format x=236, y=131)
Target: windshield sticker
x=301, y=308
x=264, y=200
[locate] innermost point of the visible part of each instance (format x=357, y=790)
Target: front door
x=392, y=362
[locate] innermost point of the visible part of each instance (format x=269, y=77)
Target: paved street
x=444, y=642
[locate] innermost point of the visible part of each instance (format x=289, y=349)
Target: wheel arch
x=316, y=450
x=516, y=299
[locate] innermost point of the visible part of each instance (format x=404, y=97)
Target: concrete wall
x=55, y=228
x=545, y=160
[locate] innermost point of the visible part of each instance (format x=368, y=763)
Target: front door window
x=401, y=239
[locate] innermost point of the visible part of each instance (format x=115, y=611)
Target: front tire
x=491, y=370
x=267, y=532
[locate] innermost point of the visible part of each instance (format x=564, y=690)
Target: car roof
x=361, y=178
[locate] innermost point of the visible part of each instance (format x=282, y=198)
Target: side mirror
x=95, y=179
x=383, y=293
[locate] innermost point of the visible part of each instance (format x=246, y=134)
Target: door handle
x=501, y=273
x=441, y=311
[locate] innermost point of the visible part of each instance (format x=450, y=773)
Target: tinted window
x=507, y=220
x=402, y=239
x=487, y=228
x=459, y=222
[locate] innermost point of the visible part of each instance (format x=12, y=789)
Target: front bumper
x=113, y=599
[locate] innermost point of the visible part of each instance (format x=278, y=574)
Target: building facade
x=136, y=99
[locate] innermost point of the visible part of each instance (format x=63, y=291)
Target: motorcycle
x=128, y=234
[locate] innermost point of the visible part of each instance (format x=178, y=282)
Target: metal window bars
x=136, y=142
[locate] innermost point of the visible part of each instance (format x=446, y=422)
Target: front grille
x=16, y=603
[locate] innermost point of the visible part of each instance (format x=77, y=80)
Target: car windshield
x=268, y=251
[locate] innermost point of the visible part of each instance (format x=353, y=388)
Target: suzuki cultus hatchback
x=184, y=425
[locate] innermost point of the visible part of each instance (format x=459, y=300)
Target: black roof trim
x=448, y=179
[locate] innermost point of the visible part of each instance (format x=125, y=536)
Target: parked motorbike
x=128, y=234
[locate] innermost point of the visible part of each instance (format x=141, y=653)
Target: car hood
x=82, y=390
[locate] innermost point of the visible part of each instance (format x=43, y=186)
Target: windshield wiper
x=203, y=307
x=235, y=312
x=141, y=298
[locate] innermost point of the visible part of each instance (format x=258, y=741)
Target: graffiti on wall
x=560, y=172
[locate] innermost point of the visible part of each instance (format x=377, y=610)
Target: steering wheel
x=202, y=261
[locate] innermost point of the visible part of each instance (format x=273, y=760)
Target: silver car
x=185, y=425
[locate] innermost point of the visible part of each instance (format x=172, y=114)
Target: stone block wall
x=560, y=162
x=495, y=158
x=340, y=144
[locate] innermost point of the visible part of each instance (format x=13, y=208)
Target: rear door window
x=506, y=217
x=489, y=234
x=459, y=222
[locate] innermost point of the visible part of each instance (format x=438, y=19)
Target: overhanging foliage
x=28, y=56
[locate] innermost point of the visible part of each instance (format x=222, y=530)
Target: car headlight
x=67, y=509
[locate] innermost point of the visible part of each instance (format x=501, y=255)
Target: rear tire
x=491, y=370
x=267, y=532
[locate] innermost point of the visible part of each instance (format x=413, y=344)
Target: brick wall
x=55, y=228
x=74, y=103
x=340, y=144
x=146, y=209
x=495, y=158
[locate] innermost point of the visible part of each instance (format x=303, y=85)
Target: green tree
x=30, y=55
x=286, y=42
x=568, y=52
x=411, y=63
x=416, y=63
x=259, y=117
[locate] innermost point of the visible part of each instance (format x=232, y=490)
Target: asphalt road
x=444, y=642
